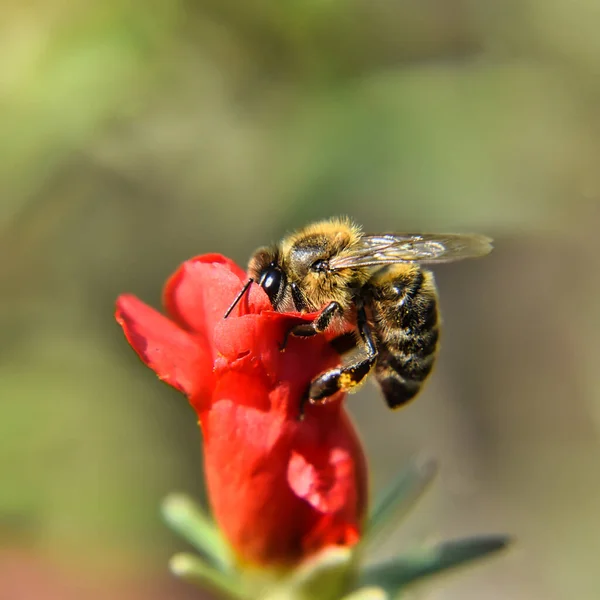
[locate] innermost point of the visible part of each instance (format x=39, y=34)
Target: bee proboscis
x=372, y=285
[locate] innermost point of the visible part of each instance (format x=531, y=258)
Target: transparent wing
x=426, y=248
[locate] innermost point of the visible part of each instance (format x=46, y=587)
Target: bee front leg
x=319, y=325
x=347, y=377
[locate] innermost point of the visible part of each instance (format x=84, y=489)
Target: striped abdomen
x=403, y=305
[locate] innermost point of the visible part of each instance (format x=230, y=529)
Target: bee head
x=265, y=269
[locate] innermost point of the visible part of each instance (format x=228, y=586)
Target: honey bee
x=371, y=285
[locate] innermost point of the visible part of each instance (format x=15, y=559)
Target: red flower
x=280, y=488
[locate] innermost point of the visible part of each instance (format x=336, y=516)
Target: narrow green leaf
x=188, y=519
x=194, y=570
x=399, y=497
x=326, y=576
x=401, y=571
x=368, y=593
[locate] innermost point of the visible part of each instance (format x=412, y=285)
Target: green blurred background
x=134, y=135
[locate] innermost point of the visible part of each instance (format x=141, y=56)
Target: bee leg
x=319, y=325
x=347, y=377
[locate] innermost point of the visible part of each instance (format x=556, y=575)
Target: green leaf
x=399, y=497
x=188, y=519
x=368, y=593
x=194, y=570
x=401, y=571
x=326, y=576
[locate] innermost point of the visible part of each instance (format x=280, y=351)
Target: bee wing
x=427, y=248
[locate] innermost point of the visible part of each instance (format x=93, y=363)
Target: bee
x=373, y=286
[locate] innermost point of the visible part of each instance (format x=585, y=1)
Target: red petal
x=202, y=289
x=245, y=451
x=325, y=479
x=314, y=500
x=261, y=335
x=255, y=336
x=178, y=358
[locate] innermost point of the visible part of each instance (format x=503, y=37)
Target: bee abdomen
x=412, y=344
x=406, y=318
x=397, y=390
x=401, y=375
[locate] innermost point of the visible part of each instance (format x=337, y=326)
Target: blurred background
x=134, y=135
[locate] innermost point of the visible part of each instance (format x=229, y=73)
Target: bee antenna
x=238, y=297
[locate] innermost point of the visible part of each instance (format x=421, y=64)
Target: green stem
x=186, y=518
x=192, y=569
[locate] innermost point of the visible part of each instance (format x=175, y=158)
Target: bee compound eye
x=271, y=281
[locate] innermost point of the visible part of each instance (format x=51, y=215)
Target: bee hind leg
x=341, y=379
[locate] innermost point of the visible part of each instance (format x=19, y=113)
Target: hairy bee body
x=372, y=284
x=403, y=304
